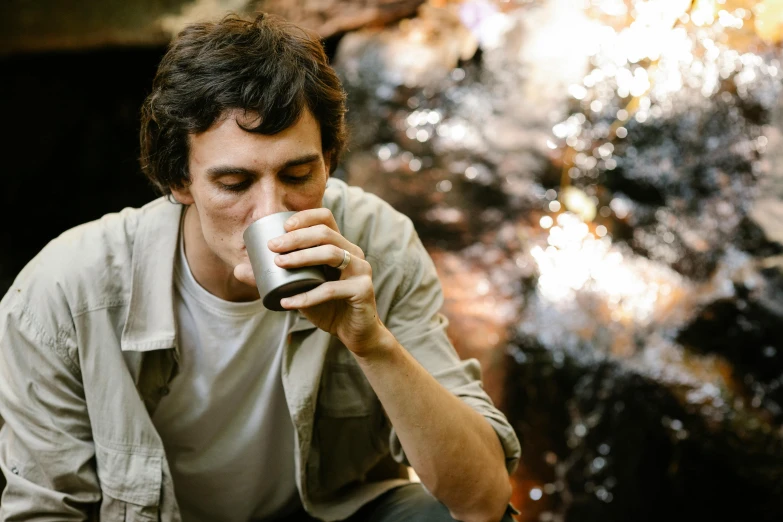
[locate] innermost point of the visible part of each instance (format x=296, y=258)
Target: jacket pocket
x=349, y=431
x=345, y=392
x=130, y=483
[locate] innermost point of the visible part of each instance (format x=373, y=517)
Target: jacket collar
x=150, y=323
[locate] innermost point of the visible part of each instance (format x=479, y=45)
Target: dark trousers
x=409, y=503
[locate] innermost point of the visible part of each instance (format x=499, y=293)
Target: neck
x=209, y=271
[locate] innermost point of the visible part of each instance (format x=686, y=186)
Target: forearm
x=452, y=448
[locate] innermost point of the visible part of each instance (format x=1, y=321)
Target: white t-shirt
x=225, y=424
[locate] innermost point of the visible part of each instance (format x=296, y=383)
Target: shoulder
x=400, y=263
x=368, y=221
x=83, y=267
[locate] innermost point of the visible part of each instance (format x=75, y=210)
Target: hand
x=346, y=307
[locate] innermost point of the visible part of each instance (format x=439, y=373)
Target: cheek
x=311, y=196
x=224, y=220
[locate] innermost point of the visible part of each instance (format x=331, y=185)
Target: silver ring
x=346, y=260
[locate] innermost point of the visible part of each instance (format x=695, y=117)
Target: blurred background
x=599, y=182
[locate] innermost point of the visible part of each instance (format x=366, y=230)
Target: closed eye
x=236, y=187
x=296, y=180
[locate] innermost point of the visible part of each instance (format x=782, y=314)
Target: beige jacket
x=88, y=347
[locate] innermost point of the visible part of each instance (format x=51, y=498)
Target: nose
x=269, y=197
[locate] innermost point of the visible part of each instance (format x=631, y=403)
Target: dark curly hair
x=266, y=66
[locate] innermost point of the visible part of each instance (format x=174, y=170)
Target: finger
x=355, y=289
x=311, y=217
x=244, y=273
x=329, y=255
x=310, y=237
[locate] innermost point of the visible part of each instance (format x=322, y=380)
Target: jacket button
x=15, y=470
x=164, y=390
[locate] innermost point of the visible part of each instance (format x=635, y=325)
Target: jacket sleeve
x=416, y=322
x=46, y=449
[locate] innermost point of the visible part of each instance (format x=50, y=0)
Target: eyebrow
x=224, y=170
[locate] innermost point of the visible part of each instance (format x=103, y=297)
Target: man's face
x=238, y=177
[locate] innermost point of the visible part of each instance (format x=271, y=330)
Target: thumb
x=244, y=273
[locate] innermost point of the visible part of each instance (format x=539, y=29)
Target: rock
x=52, y=25
x=325, y=17
x=745, y=327
x=767, y=215
x=604, y=442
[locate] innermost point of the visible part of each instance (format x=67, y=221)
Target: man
x=142, y=379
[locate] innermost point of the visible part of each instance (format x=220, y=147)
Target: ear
x=183, y=195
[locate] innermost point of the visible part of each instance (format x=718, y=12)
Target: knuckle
x=324, y=232
x=363, y=267
x=367, y=289
x=325, y=214
x=328, y=218
x=338, y=252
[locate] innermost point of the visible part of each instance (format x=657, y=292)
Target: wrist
x=378, y=345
